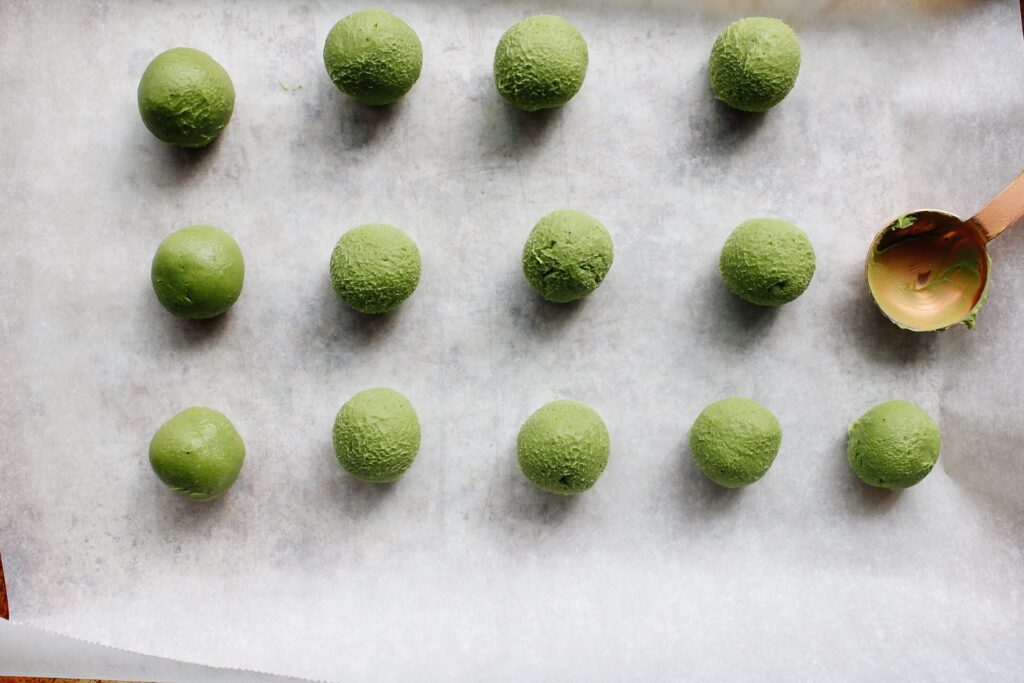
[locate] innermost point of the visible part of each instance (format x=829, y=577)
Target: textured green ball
x=375, y=267
x=197, y=453
x=185, y=97
x=894, y=445
x=734, y=441
x=563, y=447
x=198, y=271
x=754, y=63
x=767, y=261
x=567, y=255
x=373, y=56
x=376, y=435
x=540, y=62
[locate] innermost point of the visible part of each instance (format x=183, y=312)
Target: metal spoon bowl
x=928, y=270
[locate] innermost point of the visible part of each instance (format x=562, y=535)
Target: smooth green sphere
x=567, y=255
x=376, y=435
x=197, y=453
x=373, y=56
x=375, y=267
x=185, y=97
x=754, y=63
x=540, y=62
x=894, y=445
x=198, y=272
x=767, y=261
x=563, y=447
x=734, y=441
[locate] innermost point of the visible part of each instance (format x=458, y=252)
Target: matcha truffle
x=373, y=56
x=567, y=255
x=754, y=63
x=540, y=63
x=185, y=97
x=376, y=435
x=735, y=441
x=197, y=272
x=893, y=445
x=767, y=261
x=375, y=267
x=563, y=447
x=197, y=453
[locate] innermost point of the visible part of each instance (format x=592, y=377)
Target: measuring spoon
x=928, y=270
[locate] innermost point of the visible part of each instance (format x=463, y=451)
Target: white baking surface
x=463, y=570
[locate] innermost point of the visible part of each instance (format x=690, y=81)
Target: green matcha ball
x=754, y=63
x=185, y=97
x=735, y=441
x=375, y=267
x=893, y=445
x=540, y=63
x=563, y=447
x=198, y=453
x=197, y=272
x=376, y=435
x=767, y=261
x=373, y=56
x=567, y=255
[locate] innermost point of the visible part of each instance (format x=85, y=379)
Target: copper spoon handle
x=1003, y=211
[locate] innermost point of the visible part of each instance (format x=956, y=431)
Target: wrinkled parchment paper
x=462, y=570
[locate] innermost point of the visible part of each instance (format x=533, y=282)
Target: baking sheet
x=462, y=570
x=27, y=651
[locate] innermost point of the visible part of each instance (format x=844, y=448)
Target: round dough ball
x=197, y=453
x=567, y=255
x=373, y=56
x=767, y=261
x=375, y=267
x=185, y=97
x=540, y=62
x=754, y=63
x=198, y=271
x=893, y=445
x=735, y=441
x=376, y=435
x=563, y=447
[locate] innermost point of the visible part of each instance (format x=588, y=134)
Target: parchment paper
x=463, y=570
